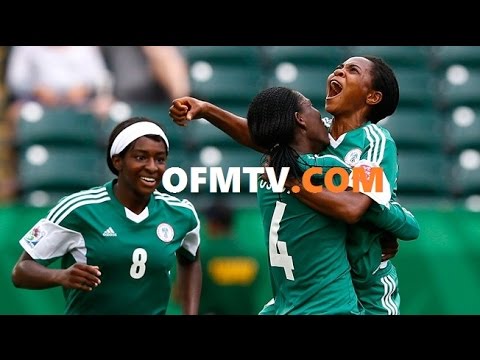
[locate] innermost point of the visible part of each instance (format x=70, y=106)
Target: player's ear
x=117, y=162
x=374, y=97
x=299, y=120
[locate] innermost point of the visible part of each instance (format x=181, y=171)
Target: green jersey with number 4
x=309, y=269
x=134, y=252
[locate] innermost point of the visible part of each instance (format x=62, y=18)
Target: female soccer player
x=118, y=242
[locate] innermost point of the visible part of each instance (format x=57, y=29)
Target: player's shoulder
x=377, y=133
x=167, y=198
x=321, y=160
x=173, y=201
x=75, y=202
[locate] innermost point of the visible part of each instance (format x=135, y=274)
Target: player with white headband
x=133, y=132
x=118, y=241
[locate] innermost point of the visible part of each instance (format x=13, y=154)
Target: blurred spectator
x=58, y=76
x=7, y=172
x=147, y=74
x=231, y=267
x=73, y=77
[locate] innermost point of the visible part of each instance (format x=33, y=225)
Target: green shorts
x=381, y=296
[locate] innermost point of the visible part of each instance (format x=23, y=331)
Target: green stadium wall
x=439, y=272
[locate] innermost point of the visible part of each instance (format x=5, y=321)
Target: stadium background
x=436, y=128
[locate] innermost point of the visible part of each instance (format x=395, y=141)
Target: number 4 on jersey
x=278, y=249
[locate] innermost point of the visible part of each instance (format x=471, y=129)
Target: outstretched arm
x=187, y=108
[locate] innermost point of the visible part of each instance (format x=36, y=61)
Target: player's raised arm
x=188, y=108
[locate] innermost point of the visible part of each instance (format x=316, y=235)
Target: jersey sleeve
x=380, y=149
x=46, y=241
x=394, y=219
x=365, y=170
x=191, y=242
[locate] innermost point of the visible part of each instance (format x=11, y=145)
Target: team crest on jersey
x=34, y=236
x=353, y=157
x=367, y=169
x=165, y=232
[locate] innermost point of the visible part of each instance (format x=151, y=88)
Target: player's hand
x=185, y=109
x=389, y=246
x=80, y=276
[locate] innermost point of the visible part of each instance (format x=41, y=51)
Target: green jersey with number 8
x=134, y=252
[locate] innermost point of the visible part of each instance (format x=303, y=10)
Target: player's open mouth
x=334, y=88
x=148, y=180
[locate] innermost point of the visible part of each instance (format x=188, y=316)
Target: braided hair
x=271, y=123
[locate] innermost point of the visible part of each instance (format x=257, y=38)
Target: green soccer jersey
x=368, y=142
x=372, y=143
x=390, y=217
x=309, y=268
x=134, y=252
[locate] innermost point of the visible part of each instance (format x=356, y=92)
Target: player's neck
x=341, y=125
x=129, y=199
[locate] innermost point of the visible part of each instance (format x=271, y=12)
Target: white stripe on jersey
x=70, y=203
x=71, y=196
x=167, y=198
x=377, y=144
x=389, y=287
x=172, y=200
x=77, y=205
x=378, y=141
x=383, y=144
x=184, y=203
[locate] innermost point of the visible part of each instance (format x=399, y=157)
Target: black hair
x=117, y=129
x=271, y=123
x=385, y=81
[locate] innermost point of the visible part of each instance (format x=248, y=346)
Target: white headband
x=133, y=132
